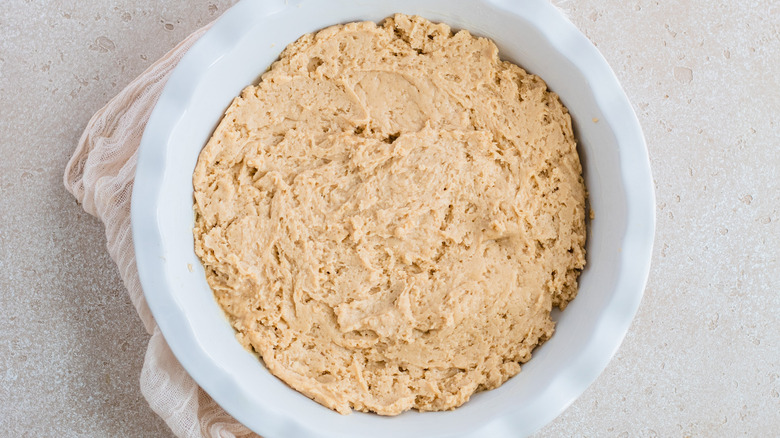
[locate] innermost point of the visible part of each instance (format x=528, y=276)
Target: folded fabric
x=100, y=175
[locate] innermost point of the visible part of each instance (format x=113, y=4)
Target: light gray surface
x=701, y=359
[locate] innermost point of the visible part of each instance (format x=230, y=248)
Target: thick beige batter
x=389, y=216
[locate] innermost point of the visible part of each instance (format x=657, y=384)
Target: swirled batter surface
x=389, y=216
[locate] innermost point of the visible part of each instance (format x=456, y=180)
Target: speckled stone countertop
x=702, y=357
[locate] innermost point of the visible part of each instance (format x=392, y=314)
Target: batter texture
x=389, y=216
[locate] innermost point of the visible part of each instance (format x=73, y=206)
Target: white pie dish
x=531, y=33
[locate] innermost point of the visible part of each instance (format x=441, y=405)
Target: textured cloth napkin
x=100, y=175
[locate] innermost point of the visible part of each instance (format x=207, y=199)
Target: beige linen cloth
x=100, y=175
